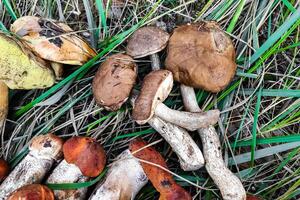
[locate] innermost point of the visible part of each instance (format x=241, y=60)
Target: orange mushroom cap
x=4, y=169
x=32, y=192
x=88, y=155
x=161, y=179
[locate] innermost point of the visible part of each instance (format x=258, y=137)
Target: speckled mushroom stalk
x=32, y=192
x=44, y=150
x=230, y=186
x=84, y=158
x=123, y=181
x=3, y=104
x=161, y=179
x=189, y=155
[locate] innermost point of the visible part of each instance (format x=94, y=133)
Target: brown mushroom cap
x=32, y=192
x=146, y=41
x=156, y=87
x=114, y=81
x=86, y=154
x=48, y=145
x=4, y=169
x=161, y=179
x=21, y=69
x=201, y=55
x=52, y=40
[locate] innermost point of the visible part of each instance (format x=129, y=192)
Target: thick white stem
x=189, y=154
x=230, y=186
x=58, y=69
x=188, y=120
x=31, y=169
x=123, y=181
x=68, y=173
x=155, y=62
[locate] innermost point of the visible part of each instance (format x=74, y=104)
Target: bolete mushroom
x=114, y=81
x=155, y=89
x=3, y=104
x=161, y=179
x=53, y=41
x=32, y=192
x=201, y=55
x=147, y=41
x=4, y=169
x=123, y=181
x=44, y=150
x=84, y=158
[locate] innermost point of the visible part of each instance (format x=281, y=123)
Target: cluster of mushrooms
x=199, y=55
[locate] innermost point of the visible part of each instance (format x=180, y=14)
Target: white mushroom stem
x=3, y=104
x=123, y=181
x=155, y=62
x=189, y=154
x=188, y=120
x=68, y=173
x=230, y=186
x=58, y=69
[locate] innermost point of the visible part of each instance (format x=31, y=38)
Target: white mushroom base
x=124, y=179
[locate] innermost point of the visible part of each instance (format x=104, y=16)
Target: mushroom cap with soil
x=20, y=68
x=161, y=179
x=201, y=55
x=32, y=192
x=4, y=169
x=114, y=81
x=53, y=40
x=146, y=41
x=86, y=154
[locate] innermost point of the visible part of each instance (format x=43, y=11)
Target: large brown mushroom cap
x=86, y=154
x=32, y=192
x=201, y=55
x=146, y=41
x=156, y=87
x=52, y=40
x=114, y=81
x=4, y=169
x=21, y=69
x=161, y=179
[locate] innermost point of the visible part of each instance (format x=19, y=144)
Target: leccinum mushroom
x=161, y=179
x=3, y=104
x=123, y=181
x=32, y=192
x=155, y=89
x=114, y=81
x=4, y=169
x=44, y=150
x=53, y=41
x=84, y=158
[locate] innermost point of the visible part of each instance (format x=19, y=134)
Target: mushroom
x=123, y=181
x=202, y=56
x=147, y=41
x=211, y=58
x=114, y=81
x=44, y=150
x=161, y=179
x=189, y=154
x=84, y=158
x=155, y=89
x=32, y=192
x=53, y=41
x=4, y=169
x=3, y=104
x=252, y=197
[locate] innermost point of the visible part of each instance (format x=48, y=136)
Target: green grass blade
x=9, y=9
x=289, y=5
x=102, y=15
x=139, y=133
x=274, y=92
x=236, y=16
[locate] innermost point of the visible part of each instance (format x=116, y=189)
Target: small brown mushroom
x=4, y=169
x=32, y=192
x=161, y=179
x=3, y=105
x=54, y=41
x=84, y=158
x=114, y=81
x=201, y=55
x=155, y=89
x=252, y=197
x=44, y=150
x=147, y=41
